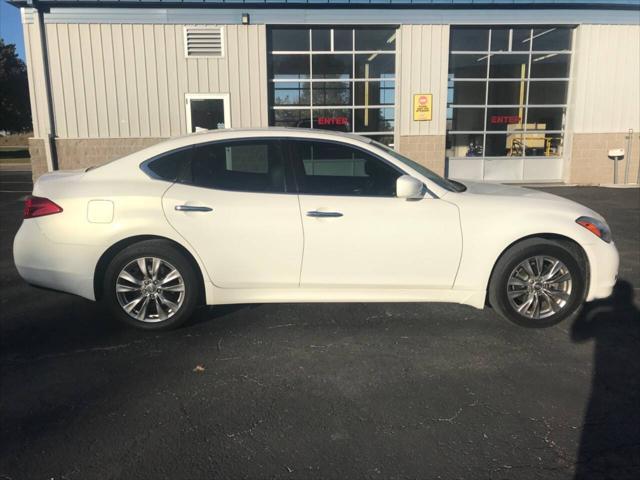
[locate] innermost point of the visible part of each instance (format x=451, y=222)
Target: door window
x=252, y=166
x=325, y=168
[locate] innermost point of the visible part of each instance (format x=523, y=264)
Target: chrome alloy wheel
x=539, y=287
x=150, y=289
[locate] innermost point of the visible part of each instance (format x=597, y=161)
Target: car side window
x=245, y=166
x=170, y=166
x=328, y=168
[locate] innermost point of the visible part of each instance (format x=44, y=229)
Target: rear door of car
x=235, y=205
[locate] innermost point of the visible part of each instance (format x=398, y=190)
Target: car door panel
x=357, y=233
x=246, y=239
x=380, y=242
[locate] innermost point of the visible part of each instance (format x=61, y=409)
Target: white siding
x=422, y=67
x=123, y=80
x=37, y=92
x=606, y=89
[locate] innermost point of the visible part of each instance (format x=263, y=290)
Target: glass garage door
x=333, y=78
x=507, y=103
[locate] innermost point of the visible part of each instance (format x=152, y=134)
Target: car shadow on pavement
x=59, y=324
x=610, y=440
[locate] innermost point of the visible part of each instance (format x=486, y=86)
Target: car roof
x=270, y=131
x=248, y=133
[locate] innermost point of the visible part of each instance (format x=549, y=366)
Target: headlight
x=599, y=228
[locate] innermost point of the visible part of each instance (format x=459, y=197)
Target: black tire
x=170, y=257
x=566, y=252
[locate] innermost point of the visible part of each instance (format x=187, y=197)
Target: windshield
x=434, y=177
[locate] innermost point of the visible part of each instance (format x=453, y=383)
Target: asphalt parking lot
x=320, y=391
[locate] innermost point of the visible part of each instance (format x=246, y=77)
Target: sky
x=11, y=27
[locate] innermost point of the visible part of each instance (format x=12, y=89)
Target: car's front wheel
x=538, y=282
x=151, y=285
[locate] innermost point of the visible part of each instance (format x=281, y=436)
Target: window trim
x=333, y=80
x=336, y=52
x=513, y=52
x=225, y=97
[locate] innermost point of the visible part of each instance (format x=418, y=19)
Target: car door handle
x=317, y=214
x=193, y=208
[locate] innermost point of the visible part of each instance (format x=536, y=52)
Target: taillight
x=39, y=207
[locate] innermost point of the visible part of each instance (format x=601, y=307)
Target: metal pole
x=51, y=134
x=638, y=179
x=628, y=162
x=615, y=170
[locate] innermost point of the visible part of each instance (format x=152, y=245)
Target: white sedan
x=287, y=215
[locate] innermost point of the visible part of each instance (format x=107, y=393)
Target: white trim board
x=207, y=96
x=342, y=16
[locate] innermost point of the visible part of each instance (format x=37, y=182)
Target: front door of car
x=357, y=233
x=234, y=206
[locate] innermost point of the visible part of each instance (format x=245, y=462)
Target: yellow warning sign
x=422, y=103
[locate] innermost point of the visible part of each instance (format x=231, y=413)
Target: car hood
x=511, y=196
x=499, y=189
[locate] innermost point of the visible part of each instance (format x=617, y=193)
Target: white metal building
x=496, y=90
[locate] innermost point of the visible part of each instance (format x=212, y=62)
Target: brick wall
x=76, y=153
x=38, y=159
x=84, y=152
x=428, y=150
x=15, y=140
x=590, y=164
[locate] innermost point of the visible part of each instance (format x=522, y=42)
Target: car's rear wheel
x=538, y=282
x=151, y=285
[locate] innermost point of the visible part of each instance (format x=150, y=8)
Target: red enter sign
x=510, y=119
x=333, y=121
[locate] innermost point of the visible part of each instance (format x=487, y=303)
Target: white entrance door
x=207, y=111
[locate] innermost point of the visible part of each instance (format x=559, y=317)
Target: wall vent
x=203, y=41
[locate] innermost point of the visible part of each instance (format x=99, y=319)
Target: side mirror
x=408, y=187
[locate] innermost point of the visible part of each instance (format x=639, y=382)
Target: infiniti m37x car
x=286, y=215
